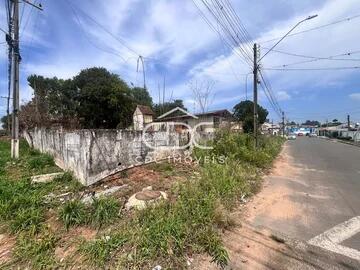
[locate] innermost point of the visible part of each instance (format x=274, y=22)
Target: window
x=216, y=122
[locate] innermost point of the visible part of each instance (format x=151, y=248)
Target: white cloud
x=282, y=95
x=355, y=96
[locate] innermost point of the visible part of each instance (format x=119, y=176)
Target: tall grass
x=164, y=233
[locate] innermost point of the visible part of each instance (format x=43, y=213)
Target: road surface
x=314, y=194
x=307, y=216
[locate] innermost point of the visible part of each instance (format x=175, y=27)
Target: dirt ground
x=161, y=176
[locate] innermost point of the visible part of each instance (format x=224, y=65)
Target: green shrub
x=28, y=219
x=73, y=213
x=36, y=252
x=97, y=252
x=104, y=211
x=40, y=161
x=67, y=179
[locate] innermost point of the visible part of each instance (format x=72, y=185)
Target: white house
x=142, y=116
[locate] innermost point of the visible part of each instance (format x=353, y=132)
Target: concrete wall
x=94, y=154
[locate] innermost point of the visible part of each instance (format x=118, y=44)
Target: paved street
x=315, y=186
x=305, y=217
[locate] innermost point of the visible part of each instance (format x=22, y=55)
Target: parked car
x=292, y=137
x=313, y=135
x=300, y=134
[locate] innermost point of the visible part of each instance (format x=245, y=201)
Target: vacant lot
x=47, y=225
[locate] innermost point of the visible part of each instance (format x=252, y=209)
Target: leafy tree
x=160, y=109
x=104, y=99
x=244, y=112
x=141, y=96
x=4, y=120
x=311, y=123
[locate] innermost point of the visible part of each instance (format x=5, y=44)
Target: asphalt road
x=314, y=195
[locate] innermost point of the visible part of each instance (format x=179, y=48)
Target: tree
x=141, y=96
x=4, y=121
x=104, y=99
x=202, y=94
x=160, y=109
x=54, y=99
x=311, y=123
x=95, y=98
x=244, y=112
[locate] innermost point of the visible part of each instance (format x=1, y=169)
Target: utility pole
x=256, y=67
x=9, y=42
x=13, y=41
x=348, y=122
x=283, y=123
x=15, y=77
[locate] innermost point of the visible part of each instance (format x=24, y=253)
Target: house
x=213, y=119
x=270, y=129
x=142, y=116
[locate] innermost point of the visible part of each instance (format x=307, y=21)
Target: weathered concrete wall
x=94, y=154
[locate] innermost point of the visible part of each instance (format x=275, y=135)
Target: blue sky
x=179, y=45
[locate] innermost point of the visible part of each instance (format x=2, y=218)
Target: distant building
x=270, y=129
x=214, y=119
x=142, y=116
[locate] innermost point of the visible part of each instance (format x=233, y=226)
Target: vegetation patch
x=162, y=234
x=73, y=213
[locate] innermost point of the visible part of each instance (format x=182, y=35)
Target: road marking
x=331, y=238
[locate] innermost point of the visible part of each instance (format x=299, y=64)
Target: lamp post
x=256, y=70
x=292, y=29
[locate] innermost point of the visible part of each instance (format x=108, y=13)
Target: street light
x=256, y=68
x=296, y=25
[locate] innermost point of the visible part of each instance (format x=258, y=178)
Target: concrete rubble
x=88, y=199
x=45, y=178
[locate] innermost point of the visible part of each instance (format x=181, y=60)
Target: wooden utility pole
x=256, y=67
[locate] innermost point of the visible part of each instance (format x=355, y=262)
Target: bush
x=40, y=161
x=104, y=211
x=98, y=251
x=37, y=252
x=29, y=219
x=73, y=213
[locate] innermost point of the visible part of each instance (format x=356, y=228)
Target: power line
x=315, y=59
x=318, y=57
x=235, y=36
x=314, y=69
x=269, y=94
x=120, y=40
x=213, y=28
x=87, y=37
x=315, y=28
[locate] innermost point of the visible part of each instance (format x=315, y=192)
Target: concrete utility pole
x=283, y=123
x=256, y=68
x=15, y=77
x=9, y=42
x=13, y=41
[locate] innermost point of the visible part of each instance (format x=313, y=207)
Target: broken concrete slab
x=45, y=178
x=145, y=197
x=88, y=199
